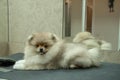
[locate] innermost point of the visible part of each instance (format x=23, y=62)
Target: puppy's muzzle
x=42, y=51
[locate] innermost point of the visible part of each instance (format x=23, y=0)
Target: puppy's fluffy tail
x=105, y=45
x=90, y=41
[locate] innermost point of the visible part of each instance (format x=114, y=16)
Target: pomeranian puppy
x=90, y=41
x=46, y=51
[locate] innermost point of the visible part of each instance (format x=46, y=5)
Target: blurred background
x=20, y=18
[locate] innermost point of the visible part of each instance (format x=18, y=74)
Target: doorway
x=89, y=15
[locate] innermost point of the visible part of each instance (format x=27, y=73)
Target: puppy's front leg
x=51, y=66
x=19, y=65
x=35, y=67
x=22, y=65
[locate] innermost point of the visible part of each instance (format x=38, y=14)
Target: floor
x=111, y=56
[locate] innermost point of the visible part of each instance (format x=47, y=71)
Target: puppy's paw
x=72, y=66
x=19, y=65
x=34, y=67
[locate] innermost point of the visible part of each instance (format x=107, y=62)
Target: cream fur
x=59, y=55
x=90, y=41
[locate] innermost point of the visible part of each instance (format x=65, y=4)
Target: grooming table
x=107, y=71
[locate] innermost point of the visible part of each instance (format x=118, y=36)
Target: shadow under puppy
x=46, y=51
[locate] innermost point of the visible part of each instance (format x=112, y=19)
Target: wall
x=119, y=34
x=3, y=28
x=106, y=24
x=28, y=16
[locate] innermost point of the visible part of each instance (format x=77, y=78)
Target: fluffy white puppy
x=90, y=41
x=47, y=51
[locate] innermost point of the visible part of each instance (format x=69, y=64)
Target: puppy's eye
x=37, y=45
x=45, y=46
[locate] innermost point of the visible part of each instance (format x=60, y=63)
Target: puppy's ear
x=30, y=37
x=54, y=37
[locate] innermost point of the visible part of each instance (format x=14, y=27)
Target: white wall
x=119, y=33
x=3, y=28
x=106, y=24
x=28, y=16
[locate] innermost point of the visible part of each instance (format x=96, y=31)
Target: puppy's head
x=42, y=42
x=82, y=36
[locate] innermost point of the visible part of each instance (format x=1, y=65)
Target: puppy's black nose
x=41, y=49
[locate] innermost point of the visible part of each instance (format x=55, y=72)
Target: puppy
x=47, y=51
x=90, y=41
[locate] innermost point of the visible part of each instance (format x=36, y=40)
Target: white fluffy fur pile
x=56, y=54
x=90, y=41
